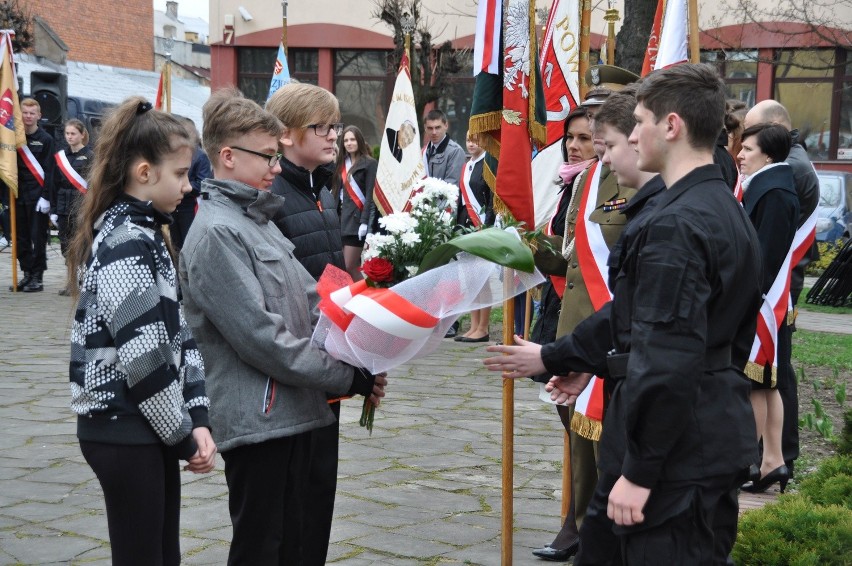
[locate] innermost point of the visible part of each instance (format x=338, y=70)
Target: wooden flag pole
x=508, y=455
x=284, y=25
x=13, y=228
x=585, y=38
x=694, y=44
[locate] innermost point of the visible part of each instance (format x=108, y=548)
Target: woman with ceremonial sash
x=353, y=187
x=476, y=210
x=73, y=165
x=770, y=200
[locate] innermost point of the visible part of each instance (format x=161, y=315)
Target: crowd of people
x=194, y=264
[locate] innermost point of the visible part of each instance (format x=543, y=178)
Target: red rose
x=378, y=270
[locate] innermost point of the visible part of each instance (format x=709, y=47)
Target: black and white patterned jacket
x=136, y=375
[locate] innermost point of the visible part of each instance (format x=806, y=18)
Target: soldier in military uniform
x=679, y=433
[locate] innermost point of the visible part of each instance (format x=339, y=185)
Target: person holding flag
x=35, y=187
x=73, y=166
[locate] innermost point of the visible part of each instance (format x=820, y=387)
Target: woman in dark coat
x=353, y=190
x=769, y=198
x=73, y=164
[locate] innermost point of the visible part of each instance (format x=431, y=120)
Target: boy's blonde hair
x=228, y=115
x=297, y=105
x=31, y=102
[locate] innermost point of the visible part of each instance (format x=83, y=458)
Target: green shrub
x=831, y=483
x=795, y=532
x=827, y=252
x=844, y=441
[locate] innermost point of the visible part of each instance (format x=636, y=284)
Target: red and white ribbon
x=351, y=185
x=32, y=163
x=70, y=173
x=473, y=206
x=592, y=253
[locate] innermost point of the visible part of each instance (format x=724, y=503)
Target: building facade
x=342, y=46
x=101, y=32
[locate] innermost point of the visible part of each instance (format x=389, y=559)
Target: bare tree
x=19, y=18
x=631, y=41
x=430, y=65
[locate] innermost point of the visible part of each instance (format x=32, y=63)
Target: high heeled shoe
x=780, y=474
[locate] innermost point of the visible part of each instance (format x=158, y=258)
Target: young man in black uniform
x=35, y=185
x=678, y=435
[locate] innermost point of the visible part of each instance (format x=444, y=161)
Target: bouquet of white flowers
x=395, y=256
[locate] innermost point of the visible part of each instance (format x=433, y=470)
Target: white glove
x=55, y=219
x=43, y=205
x=362, y=231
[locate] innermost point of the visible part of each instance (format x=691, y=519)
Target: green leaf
x=493, y=244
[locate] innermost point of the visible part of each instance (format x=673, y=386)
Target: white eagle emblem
x=517, y=37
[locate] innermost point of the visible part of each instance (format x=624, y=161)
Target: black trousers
x=141, y=486
x=266, y=485
x=789, y=393
x=32, y=237
x=66, y=231
x=685, y=523
x=320, y=491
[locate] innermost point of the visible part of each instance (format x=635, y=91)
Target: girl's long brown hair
x=363, y=151
x=132, y=131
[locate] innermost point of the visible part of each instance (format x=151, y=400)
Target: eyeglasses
x=271, y=160
x=322, y=129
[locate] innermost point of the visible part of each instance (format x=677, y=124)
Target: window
x=256, y=64
x=739, y=69
x=363, y=84
x=456, y=99
x=804, y=84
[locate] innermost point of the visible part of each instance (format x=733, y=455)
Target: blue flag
x=281, y=74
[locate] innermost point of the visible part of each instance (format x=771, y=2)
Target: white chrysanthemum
x=378, y=241
x=398, y=223
x=412, y=270
x=410, y=238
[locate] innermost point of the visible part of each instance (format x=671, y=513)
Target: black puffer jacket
x=309, y=216
x=67, y=196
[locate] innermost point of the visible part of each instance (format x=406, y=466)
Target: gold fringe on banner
x=482, y=125
x=756, y=372
x=586, y=427
x=501, y=208
x=490, y=178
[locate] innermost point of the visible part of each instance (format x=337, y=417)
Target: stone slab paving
x=423, y=489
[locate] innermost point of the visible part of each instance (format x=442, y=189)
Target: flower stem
x=368, y=412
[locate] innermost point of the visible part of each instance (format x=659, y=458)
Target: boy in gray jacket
x=252, y=308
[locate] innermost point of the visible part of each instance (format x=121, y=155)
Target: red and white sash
x=592, y=253
x=351, y=186
x=32, y=163
x=473, y=206
x=776, y=303
x=73, y=177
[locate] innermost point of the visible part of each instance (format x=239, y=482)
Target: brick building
x=96, y=31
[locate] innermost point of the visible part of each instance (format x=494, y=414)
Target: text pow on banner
x=559, y=65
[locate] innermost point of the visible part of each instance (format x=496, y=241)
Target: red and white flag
x=673, y=41
x=486, y=46
x=654, y=39
x=559, y=65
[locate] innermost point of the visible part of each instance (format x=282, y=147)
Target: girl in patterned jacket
x=137, y=379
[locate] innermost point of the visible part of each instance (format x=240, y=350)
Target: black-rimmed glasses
x=271, y=159
x=322, y=130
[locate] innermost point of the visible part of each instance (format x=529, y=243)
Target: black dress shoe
x=780, y=474
x=556, y=554
x=451, y=333
x=469, y=339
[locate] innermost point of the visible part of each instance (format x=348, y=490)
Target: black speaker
x=50, y=90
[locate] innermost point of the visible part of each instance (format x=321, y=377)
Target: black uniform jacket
x=66, y=197
x=481, y=191
x=308, y=217
x=351, y=217
x=43, y=147
x=772, y=205
x=686, y=297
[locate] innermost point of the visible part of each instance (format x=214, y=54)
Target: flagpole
x=694, y=44
x=13, y=222
x=585, y=39
x=406, y=21
x=610, y=16
x=508, y=440
x=284, y=25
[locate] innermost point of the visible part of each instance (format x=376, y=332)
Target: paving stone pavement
x=424, y=489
